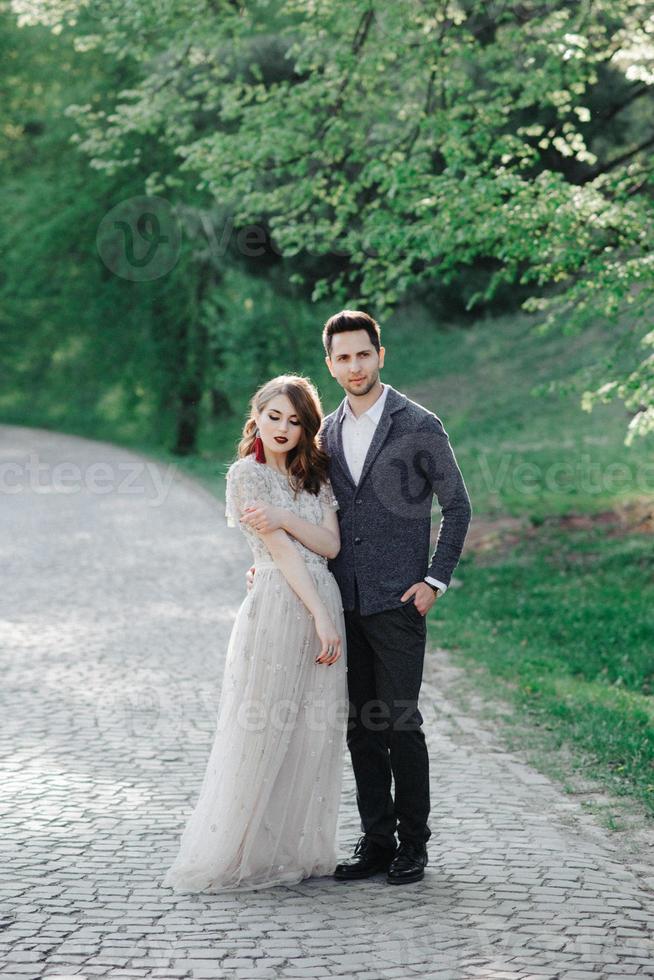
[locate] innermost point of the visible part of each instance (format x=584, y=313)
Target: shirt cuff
x=434, y=581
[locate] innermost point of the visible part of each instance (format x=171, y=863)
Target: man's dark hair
x=350, y=320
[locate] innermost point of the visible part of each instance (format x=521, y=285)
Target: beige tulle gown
x=268, y=805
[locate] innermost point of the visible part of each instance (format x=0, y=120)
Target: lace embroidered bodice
x=249, y=481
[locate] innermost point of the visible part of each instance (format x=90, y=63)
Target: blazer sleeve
x=442, y=471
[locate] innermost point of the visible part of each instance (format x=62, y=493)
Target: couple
x=337, y=512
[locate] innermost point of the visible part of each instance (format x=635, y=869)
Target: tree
x=82, y=345
x=405, y=142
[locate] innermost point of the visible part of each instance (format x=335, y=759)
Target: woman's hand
x=263, y=517
x=329, y=638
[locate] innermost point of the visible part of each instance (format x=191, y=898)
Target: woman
x=268, y=806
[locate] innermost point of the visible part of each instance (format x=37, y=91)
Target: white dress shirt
x=357, y=436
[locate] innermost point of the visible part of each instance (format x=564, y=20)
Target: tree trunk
x=188, y=417
x=194, y=353
x=220, y=406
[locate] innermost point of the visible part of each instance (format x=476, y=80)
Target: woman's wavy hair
x=307, y=463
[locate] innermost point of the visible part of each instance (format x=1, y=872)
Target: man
x=389, y=456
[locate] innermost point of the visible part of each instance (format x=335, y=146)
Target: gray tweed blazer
x=385, y=519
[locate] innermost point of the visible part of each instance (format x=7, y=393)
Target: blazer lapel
x=339, y=454
x=379, y=436
x=394, y=402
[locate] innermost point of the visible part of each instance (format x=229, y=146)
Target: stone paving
x=120, y=584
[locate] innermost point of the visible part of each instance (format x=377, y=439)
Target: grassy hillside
x=553, y=613
x=556, y=614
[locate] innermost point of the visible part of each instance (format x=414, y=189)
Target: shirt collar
x=373, y=413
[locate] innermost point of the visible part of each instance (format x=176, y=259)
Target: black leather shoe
x=369, y=858
x=408, y=863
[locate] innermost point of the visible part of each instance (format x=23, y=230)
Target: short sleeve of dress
x=327, y=496
x=245, y=483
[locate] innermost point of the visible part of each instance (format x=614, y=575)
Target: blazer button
x=357, y=540
x=359, y=501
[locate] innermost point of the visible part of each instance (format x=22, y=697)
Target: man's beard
x=364, y=391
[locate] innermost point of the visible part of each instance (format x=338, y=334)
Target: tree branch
x=617, y=161
x=615, y=109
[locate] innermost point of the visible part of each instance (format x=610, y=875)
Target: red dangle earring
x=259, y=454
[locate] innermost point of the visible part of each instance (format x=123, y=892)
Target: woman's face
x=278, y=422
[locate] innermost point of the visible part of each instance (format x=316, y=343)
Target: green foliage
x=399, y=144
x=254, y=333
x=413, y=138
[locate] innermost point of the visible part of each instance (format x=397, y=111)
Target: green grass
x=562, y=625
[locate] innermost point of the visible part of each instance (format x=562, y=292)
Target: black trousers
x=385, y=657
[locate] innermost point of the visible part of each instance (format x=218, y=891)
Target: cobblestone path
x=120, y=582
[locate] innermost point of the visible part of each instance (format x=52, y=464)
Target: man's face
x=354, y=362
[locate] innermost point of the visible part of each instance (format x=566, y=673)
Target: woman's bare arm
x=324, y=539
x=291, y=564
